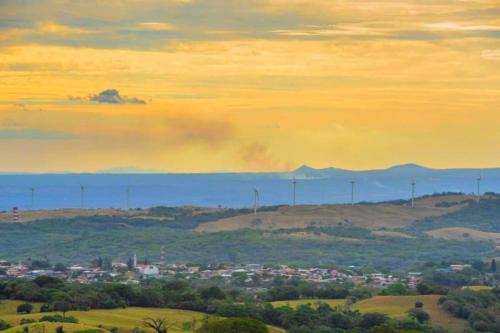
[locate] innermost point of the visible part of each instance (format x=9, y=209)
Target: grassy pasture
x=313, y=302
x=366, y=216
x=9, y=307
x=397, y=307
x=51, y=327
x=464, y=234
x=124, y=319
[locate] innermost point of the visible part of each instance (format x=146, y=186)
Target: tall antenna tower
x=478, y=195
x=353, y=183
x=82, y=196
x=32, y=189
x=413, y=193
x=294, y=182
x=255, y=200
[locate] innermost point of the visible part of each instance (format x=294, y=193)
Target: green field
x=313, y=302
x=9, y=307
x=397, y=307
x=124, y=319
x=394, y=306
x=51, y=327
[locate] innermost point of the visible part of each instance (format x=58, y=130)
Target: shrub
x=234, y=325
x=59, y=319
x=24, y=321
x=4, y=325
x=372, y=319
x=419, y=315
x=25, y=308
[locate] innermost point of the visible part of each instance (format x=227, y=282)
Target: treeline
x=190, y=218
x=233, y=303
x=480, y=308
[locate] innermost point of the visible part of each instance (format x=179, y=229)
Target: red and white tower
x=15, y=214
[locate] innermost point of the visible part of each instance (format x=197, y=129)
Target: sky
x=253, y=85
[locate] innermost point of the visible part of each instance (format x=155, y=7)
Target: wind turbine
x=255, y=200
x=32, y=189
x=294, y=182
x=478, y=180
x=82, y=196
x=353, y=183
x=127, y=197
x=413, y=183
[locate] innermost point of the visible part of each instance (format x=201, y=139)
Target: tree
x=419, y=315
x=130, y=264
x=4, y=325
x=493, y=266
x=233, y=325
x=60, y=267
x=24, y=308
x=372, y=319
x=397, y=289
x=160, y=325
x=212, y=293
x=62, y=305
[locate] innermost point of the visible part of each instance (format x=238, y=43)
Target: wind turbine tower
x=353, y=183
x=478, y=180
x=82, y=196
x=255, y=200
x=32, y=189
x=127, y=197
x=294, y=182
x=413, y=193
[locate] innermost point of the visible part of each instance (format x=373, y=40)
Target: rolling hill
x=123, y=319
x=373, y=216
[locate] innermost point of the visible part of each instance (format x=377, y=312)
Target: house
x=149, y=270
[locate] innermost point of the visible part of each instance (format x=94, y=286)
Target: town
x=249, y=275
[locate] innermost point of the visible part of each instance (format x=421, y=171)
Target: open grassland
x=46, y=327
x=124, y=319
x=9, y=307
x=383, y=233
x=32, y=215
x=397, y=307
x=464, y=234
x=313, y=302
x=373, y=216
x=309, y=236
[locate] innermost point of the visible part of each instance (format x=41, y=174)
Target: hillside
x=394, y=306
x=373, y=216
x=67, y=213
x=393, y=235
x=123, y=319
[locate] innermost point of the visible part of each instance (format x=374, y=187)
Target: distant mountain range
x=314, y=186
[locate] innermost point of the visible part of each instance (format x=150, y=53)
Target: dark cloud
x=112, y=96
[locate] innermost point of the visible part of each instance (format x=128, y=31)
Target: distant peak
x=408, y=166
x=304, y=168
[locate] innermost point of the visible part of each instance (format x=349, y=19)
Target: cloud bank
x=112, y=96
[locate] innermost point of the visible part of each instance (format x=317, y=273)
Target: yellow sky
x=248, y=85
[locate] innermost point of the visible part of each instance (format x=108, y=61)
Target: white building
x=149, y=270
